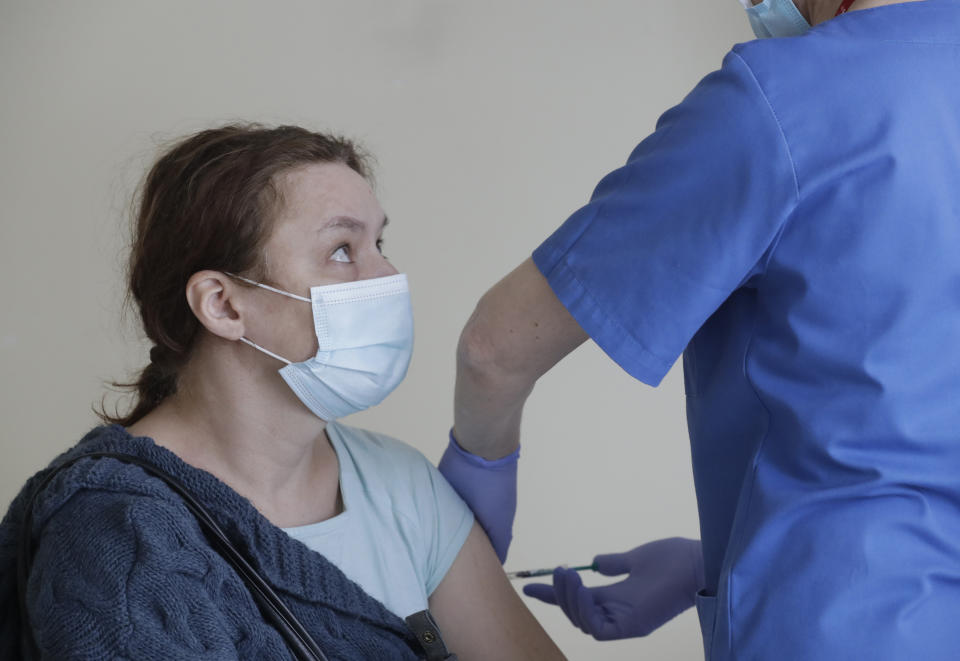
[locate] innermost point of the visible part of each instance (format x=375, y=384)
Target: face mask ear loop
x=269, y=288
x=266, y=351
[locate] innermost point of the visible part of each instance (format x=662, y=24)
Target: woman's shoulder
x=103, y=532
x=80, y=473
x=133, y=564
x=107, y=504
x=99, y=500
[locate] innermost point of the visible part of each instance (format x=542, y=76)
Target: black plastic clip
x=427, y=632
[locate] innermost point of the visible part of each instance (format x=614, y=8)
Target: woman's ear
x=213, y=297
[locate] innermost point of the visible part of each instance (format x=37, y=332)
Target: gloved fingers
x=608, y=613
x=631, y=614
x=612, y=564
x=591, y=617
x=609, y=625
x=541, y=591
x=565, y=584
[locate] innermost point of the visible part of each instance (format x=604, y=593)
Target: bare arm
x=481, y=616
x=517, y=332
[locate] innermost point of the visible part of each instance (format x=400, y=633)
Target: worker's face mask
x=365, y=334
x=775, y=18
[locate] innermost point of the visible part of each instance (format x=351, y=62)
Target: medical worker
x=792, y=227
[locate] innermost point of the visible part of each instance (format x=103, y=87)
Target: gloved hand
x=664, y=577
x=489, y=487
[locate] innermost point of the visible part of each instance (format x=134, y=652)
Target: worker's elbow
x=484, y=355
x=477, y=350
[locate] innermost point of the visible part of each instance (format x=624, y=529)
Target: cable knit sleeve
x=121, y=576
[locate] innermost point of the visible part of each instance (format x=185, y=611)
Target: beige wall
x=491, y=122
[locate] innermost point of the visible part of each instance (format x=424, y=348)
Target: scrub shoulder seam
x=776, y=119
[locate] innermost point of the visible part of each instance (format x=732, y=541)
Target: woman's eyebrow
x=350, y=223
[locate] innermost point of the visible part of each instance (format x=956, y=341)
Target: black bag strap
x=303, y=647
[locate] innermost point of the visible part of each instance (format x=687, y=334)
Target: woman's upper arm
x=480, y=614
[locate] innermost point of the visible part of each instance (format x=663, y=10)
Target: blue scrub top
x=793, y=228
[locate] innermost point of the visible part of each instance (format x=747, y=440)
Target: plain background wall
x=491, y=122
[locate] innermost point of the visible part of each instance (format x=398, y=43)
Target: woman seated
x=258, y=272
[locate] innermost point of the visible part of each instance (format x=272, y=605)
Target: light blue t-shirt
x=793, y=227
x=401, y=527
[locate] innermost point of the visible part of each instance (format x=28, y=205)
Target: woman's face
x=329, y=229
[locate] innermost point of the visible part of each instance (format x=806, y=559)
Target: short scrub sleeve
x=667, y=238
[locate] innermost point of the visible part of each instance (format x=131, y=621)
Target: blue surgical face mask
x=365, y=335
x=775, y=18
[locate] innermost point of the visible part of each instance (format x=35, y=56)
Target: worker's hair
x=209, y=202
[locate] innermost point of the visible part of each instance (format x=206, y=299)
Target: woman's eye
x=340, y=255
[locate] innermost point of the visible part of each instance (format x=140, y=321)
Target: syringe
x=530, y=573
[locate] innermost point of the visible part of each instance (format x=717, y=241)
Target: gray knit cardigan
x=123, y=571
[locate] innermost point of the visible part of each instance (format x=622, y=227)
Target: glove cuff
x=488, y=464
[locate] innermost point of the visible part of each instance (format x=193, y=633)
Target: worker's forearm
x=518, y=331
x=488, y=404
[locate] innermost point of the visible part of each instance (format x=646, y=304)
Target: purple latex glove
x=488, y=487
x=664, y=577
